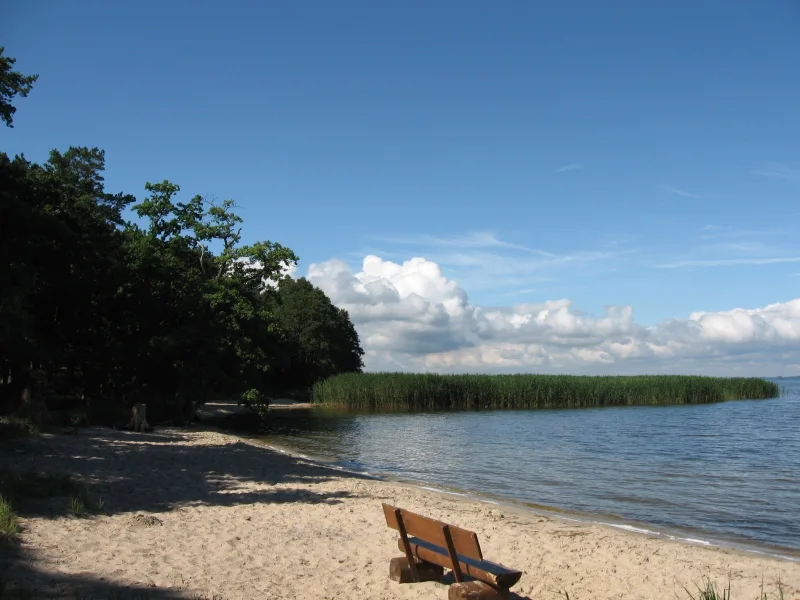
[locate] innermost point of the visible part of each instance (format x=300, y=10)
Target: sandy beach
x=195, y=512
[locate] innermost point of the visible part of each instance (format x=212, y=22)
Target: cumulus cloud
x=410, y=316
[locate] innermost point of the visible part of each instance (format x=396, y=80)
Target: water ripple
x=729, y=469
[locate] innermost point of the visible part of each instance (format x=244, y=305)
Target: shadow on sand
x=152, y=473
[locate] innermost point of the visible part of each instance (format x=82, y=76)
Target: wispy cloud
x=483, y=261
x=730, y=262
x=569, y=167
x=479, y=239
x=505, y=269
x=778, y=170
x=719, y=231
x=745, y=247
x=678, y=192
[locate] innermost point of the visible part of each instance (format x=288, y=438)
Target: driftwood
x=400, y=571
x=476, y=590
x=138, y=420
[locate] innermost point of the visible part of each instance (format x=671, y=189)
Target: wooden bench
x=430, y=546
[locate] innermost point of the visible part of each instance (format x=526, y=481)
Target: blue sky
x=614, y=153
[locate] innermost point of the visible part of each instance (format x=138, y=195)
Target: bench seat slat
x=483, y=570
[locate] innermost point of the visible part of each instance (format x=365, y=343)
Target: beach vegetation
x=83, y=503
x=418, y=391
x=710, y=590
x=9, y=522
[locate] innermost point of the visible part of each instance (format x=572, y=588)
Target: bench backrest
x=465, y=542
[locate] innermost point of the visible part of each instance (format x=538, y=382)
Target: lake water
x=719, y=473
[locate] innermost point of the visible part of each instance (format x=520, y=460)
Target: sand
x=197, y=512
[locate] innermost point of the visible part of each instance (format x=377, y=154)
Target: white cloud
x=410, y=316
x=569, y=167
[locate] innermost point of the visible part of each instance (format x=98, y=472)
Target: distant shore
x=192, y=511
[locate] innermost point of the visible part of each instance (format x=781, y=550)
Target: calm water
x=722, y=472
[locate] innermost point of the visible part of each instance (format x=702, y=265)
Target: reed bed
x=425, y=391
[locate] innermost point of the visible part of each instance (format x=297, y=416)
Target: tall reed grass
x=424, y=391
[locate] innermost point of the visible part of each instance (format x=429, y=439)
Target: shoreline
x=198, y=511
x=665, y=532
x=652, y=530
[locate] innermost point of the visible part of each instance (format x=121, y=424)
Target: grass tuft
x=84, y=504
x=9, y=522
x=429, y=391
x=710, y=591
x=778, y=596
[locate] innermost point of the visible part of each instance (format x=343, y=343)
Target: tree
x=12, y=83
x=320, y=338
x=59, y=257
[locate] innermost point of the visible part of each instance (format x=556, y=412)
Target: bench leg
x=400, y=572
x=476, y=590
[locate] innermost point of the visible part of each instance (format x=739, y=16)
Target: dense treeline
x=413, y=391
x=113, y=300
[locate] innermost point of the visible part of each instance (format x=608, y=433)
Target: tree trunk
x=139, y=418
x=33, y=399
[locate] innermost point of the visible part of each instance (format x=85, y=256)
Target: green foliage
x=149, y=313
x=411, y=391
x=256, y=401
x=320, y=338
x=12, y=83
x=9, y=522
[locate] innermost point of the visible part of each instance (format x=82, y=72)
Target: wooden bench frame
x=447, y=546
